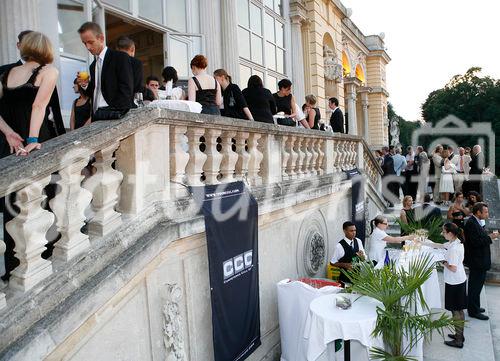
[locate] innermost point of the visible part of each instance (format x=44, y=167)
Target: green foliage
x=434, y=228
x=405, y=314
x=469, y=97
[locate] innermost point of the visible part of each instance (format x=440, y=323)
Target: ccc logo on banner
x=237, y=265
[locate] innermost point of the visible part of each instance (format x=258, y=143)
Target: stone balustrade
x=149, y=156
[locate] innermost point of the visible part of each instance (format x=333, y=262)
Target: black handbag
x=109, y=113
x=289, y=122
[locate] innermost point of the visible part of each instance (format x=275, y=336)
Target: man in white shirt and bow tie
x=461, y=161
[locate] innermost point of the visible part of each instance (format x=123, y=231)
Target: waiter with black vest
x=348, y=248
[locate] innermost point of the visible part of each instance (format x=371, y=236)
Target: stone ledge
x=59, y=304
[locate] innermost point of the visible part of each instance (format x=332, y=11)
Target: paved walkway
x=482, y=338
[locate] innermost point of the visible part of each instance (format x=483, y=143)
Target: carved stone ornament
x=361, y=58
x=172, y=331
x=333, y=68
x=315, y=253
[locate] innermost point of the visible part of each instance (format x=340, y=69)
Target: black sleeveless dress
x=206, y=97
x=15, y=108
x=82, y=113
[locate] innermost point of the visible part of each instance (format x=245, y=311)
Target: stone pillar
x=351, y=85
x=297, y=58
x=230, y=53
x=15, y=16
x=209, y=18
x=364, y=104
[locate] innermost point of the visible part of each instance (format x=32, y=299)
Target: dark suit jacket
x=427, y=213
x=477, y=163
x=57, y=128
x=138, y=74
x=337, y=121
x=388, y=165
x=117, y=80
x=477, y=245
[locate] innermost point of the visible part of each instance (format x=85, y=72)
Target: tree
x=471, y=98
x=406, y=128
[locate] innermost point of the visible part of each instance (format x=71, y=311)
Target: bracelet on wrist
x=32, y=140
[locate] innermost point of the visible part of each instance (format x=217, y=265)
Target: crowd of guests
x=467, y=244
x=441, y=173
x=115, y=83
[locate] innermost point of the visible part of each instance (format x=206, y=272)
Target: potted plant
x=405, y=318
x=431, y=229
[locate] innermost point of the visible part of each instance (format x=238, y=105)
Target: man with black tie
x=476, y=167
x=56, y=125
x=348, y=248
x=337, y=118
x=477, y=257
x=111, y=85
x=127, y=45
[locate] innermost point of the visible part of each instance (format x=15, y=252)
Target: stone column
x=351, y=85
x=230, y=53
x=15, y=16
x=209, y=18
x=297, y=58
x=364, y=104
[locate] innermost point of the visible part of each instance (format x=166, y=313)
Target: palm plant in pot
x=405, y=318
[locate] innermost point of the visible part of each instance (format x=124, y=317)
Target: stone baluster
x=315, y=156
x=104, y=186
x=321, y=156
x=196, y=157
x=229, y=157
x=354, y=154
x=342, y=155
x=212, y=164
x=179, y=158
x=292, y=160
x=336, y=152
x=3, y=303
x=306, y=144
x=348, y=155
x=256, y=157
x=28, y=230
x=301, y=156
x=243, y=156
x=285, y=155
x=69, y=208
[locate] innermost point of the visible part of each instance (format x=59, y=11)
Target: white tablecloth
x=183, y=105
x=326, y=323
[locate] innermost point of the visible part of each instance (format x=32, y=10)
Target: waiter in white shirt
x=348, y=248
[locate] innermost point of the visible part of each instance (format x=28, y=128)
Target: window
x=261, y=42
x=70, y=17
x=176, y=14
x=153, y=10
x=122, y=4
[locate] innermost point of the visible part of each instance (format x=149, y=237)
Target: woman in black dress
x=81, y=110
x=407, y=214
x=25, y=92
x=457, y=211
x=203, y=88
x=260, y=101
x=285, y=103
x=313, y=115
x=235, y=105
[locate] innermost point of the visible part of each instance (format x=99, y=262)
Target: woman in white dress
x=446, y=183
x=379, y=239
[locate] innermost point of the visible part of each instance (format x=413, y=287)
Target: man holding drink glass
x=110, y=84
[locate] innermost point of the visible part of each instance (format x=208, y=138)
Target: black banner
x=231, y=226
x=358, y=202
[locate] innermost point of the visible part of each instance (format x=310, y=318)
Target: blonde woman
x=313, y=115
x=407, y=213
x=25, y=92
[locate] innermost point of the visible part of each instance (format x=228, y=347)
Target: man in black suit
x=477, y=257
x=56, y=126
x=427, y=213
x=111, y=85
x=337, y=118
x=388, y=169
x=476, y=169
x=127, y=45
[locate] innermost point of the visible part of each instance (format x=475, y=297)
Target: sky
x=429, y=42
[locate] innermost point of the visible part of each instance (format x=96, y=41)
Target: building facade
x=312, y=42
